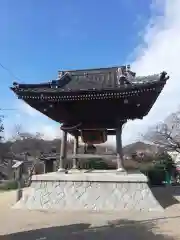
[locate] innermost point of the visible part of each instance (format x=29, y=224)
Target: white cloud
x=49, y=131
x=158, y=51
x=27, y=109
x=31, y=121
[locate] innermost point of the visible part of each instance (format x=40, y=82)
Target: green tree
x=165, y=162
x=164, y=169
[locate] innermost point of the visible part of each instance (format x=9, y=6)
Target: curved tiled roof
x=100, y=79
x=79, y=95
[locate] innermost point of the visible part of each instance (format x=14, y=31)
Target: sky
x=38, y=38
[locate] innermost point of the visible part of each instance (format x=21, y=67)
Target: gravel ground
x=46, y=225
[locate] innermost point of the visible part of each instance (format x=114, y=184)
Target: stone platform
x=90, y=191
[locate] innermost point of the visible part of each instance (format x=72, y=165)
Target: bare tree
x=1, y=127
x=1, y=137
x=18, y=133
x=143, y=157
x=166, y=134
x=27, y=142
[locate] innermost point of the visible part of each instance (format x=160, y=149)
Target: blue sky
x=38, y=38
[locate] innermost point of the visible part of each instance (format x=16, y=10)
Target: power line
x=10, y=72
x=8, y=109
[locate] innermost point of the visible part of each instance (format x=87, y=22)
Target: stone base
x=63, y=170
x=92, y=191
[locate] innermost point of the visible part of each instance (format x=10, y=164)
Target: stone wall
x=91, y=195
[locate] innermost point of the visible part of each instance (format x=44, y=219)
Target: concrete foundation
x=92, y=191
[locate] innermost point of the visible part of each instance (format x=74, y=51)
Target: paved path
x=43, y=225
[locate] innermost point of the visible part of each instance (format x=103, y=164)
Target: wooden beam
x=78, y=133
x=86, y=156
x=111, y=132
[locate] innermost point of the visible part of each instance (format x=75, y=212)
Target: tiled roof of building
x=97, y=79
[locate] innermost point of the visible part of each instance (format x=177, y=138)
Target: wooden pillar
x=119, y=149
x=63, y=151
x=75, y=151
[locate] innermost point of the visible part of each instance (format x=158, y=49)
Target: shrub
x=156, y=177
x=8, y=185
x=98, y=164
